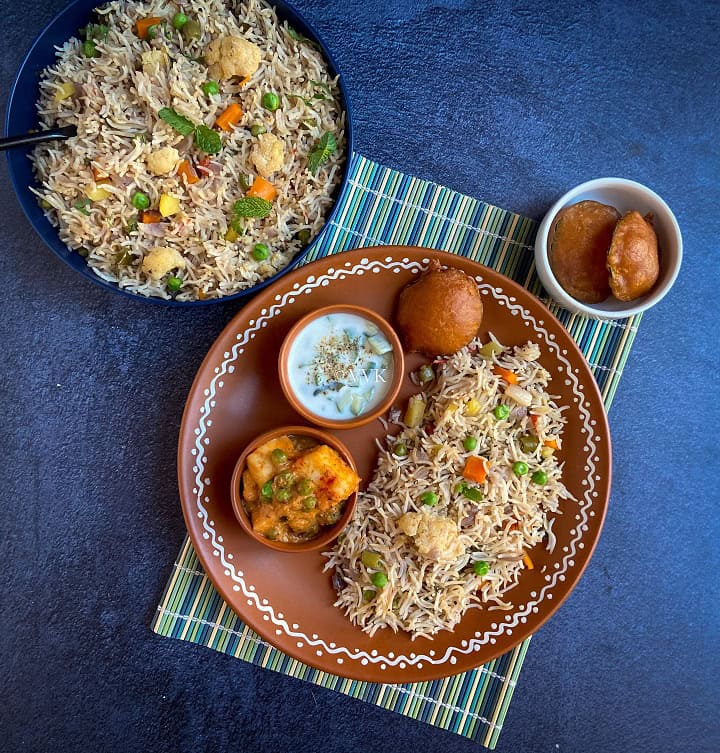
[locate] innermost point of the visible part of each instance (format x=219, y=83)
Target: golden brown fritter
x=440, y=312
x=633, y=258
x=579, y=241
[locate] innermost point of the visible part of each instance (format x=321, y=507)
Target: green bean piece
x=481, y=567
x=309, y=503
x=270, y=101
x=304, y=486
x=520, y=468
x=211, y=87
x=472, y=493
x=425, y=373
x=267, y=490
x=368, y=594
x=140, y=200
x=174, y=284
x=179, y=20
x=260, y=252
x=371, y=559
x=539, y=478
x=529, y=443
x=429, y=498
x=501, y=412
x=400, y=449
x=191, y=30
x=490, y=349
x=257, y=129
x=278, y=456
x=244, y=181
x=379, y=580
x=470, y=443
x=282, y=495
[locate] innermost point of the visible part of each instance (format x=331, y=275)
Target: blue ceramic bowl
x=21, y=117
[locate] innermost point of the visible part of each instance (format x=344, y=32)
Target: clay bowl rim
x=398, y=366
x=241, y=514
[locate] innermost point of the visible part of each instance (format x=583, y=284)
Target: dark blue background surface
x=513, y=105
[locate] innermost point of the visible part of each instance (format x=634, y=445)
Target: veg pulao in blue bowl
x=214, y=141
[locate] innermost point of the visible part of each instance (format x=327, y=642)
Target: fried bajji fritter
x=579, y=243
x=440, y=312
x=633, y=259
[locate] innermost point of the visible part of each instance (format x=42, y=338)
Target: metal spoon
x=55, y=134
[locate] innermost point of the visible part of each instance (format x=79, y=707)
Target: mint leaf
x=252, y=206
x=207, y=140
x=321, y=152
x=181, y=124
x=98, y=32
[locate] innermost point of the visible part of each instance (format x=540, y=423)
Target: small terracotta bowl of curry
x=294, y=488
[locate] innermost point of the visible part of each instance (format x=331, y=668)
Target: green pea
x=270, y=101
x=539, y=477
x=368, y=594
x=520, y=468
x=303, y=236
x=191, y=30
x=286, y=478
x=501, y=412
x=472, y=493
x=174, y=284
x=278, y=456
x=140, y=200
x=460, y=487
x=309, y=503
x=83, y=252
x=429, y=498
x=282, y=495
x=529, y=443
x=260, y=252
x=271, y=533
x=89, y=49
x=425, y=373
x=371, y=559
x=400, y=449
x=267, y=490
x=45, y=204
x=179, y=20
x=470, y=443
x=152, y=32
x=304, y=486
x=379, y=580
x=211, y=87
x=257, y=129
x=481, y=567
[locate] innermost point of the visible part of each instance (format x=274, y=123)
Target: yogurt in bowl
x=341, y=366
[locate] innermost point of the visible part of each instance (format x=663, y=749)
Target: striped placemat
x=384, y=206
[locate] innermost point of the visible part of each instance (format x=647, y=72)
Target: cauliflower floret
x=163, y=160
x=435, y=537
x=232, y=56
x=161, y=260
x=153, y=61
x=268, y=154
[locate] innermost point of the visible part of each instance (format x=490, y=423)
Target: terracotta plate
x=286, y=597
